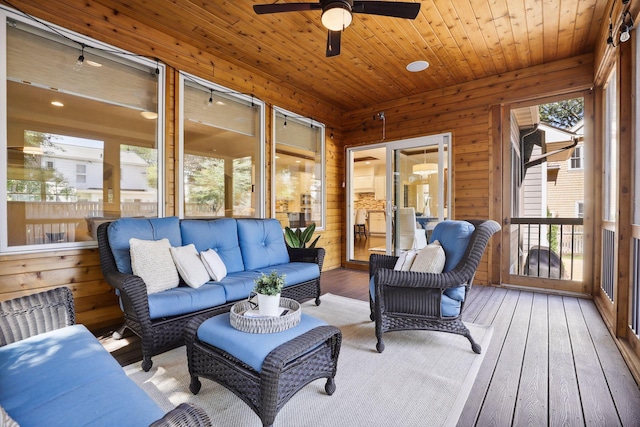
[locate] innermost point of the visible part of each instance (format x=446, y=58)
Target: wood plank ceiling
x=463, y=40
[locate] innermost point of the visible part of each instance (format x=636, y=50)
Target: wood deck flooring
x=551, y=360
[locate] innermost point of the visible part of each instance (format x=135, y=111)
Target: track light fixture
x=626, y=27
x=80, y=61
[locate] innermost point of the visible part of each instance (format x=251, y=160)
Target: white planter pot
x=269, y=305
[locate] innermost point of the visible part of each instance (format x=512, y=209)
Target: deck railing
x=549, y=247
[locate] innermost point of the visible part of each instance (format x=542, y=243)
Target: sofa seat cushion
x=66, y=378
x=120, y=231
x=296, y=272
x=219, y=234
x=239, y=285
x=449, y=307
x=252, y=349
x=184, y=299
x=262, y=243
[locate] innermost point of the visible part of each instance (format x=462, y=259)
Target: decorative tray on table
x=245, y=318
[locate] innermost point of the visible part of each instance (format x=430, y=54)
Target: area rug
x=421, y=379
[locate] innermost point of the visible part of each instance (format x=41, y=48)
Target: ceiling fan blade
x=262, y=9
x=333, y=43
x=387, y=8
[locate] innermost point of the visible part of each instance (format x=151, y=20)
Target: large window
x=222, y=152
x=81, y=141
x=298, y=175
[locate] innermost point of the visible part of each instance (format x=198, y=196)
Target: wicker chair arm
x=133, y=293
x=414, y=279
x=34, y=314
x=314, y=255
x=184, y=415
x=377, y=261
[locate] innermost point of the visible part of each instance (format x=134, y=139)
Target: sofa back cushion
x=123, y=229
x=454, y=236
x=218, y=234
x=262, y=243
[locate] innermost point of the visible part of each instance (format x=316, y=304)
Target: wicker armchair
x=406, y=300
x=30, y=315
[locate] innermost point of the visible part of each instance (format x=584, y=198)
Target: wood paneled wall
x=465, y=111
x=96, y=304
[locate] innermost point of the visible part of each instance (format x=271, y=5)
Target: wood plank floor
x=551, y=360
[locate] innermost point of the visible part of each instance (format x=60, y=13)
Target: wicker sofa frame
x=160, y=335
x=406, y=300
x=285, y=371
x=34, y=314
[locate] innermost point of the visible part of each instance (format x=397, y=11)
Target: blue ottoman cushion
x=252, y=349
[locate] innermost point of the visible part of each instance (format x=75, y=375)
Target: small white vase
x=269, y=305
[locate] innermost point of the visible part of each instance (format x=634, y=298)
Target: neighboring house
x=82, y=169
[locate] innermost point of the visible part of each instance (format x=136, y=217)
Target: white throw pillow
x=190, y=266
x=405, y=260
x=214, y=265
x=152, y=261
x=430, y=259
x=6, y=420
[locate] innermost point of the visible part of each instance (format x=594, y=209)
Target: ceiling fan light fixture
x=336, y=15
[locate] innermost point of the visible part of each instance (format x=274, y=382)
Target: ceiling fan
x=338, y=14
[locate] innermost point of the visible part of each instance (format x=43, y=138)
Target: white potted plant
x=268, y=288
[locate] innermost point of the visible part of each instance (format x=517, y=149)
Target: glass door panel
x=397, y=192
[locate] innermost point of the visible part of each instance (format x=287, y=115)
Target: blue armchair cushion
x=123, y=229
x=66, y=378
x=252, y=349
x=262, y=243
x=218, y=234
x=454, y=236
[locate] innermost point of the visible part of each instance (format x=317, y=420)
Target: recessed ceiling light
x=150, y=115
x=416, y=66
x=57, y=104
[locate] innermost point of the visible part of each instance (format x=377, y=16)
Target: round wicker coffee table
x=265, y=325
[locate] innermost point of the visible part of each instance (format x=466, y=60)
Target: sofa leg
x=146, y=363
x=117, y=335
x=380, y=346
x=318, y=301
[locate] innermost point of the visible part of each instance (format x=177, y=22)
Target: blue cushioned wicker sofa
x=56, y=373
x=248, y=247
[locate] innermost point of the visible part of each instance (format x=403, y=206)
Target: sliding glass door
x=397, y=192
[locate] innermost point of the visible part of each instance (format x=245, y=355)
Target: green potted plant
x=299, y=238
x=268, y=287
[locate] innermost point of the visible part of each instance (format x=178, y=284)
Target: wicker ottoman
x=264, y=370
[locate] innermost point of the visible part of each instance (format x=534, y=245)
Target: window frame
x=310, y=122
x=7, y=15
x=259, y=186
x=578, y=149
